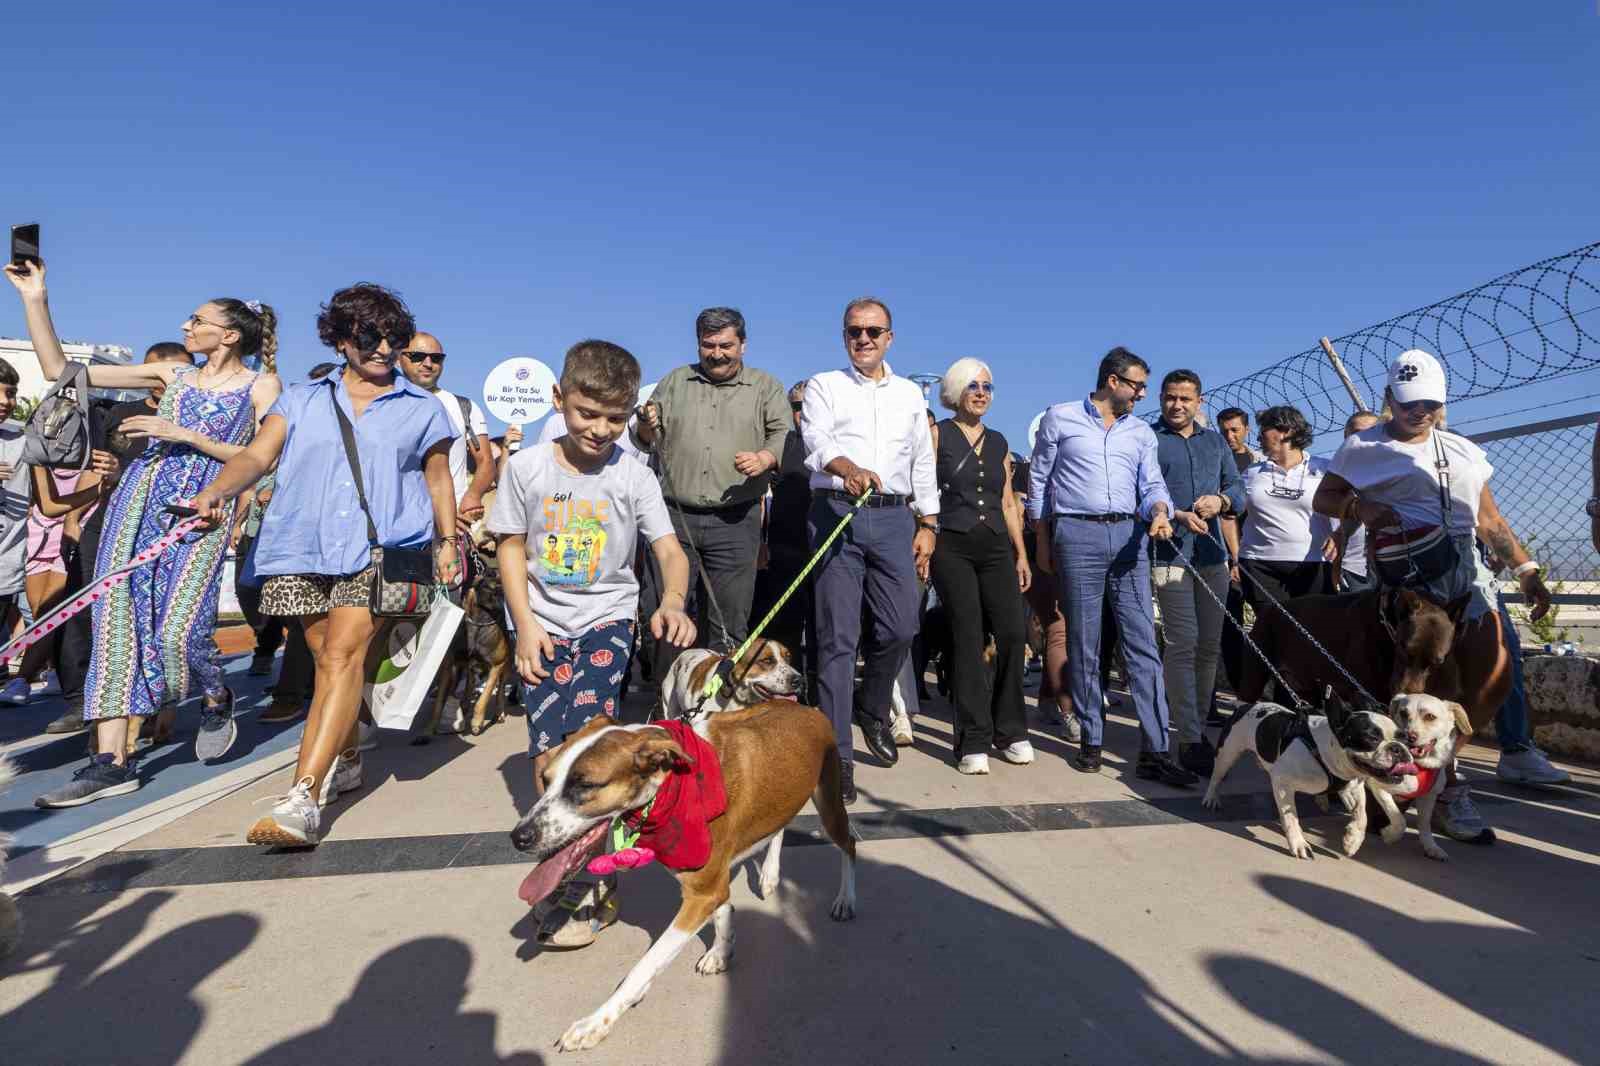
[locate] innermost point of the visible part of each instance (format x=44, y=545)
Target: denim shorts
x=585, y=679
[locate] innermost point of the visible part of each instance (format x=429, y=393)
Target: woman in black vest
x=980, y=570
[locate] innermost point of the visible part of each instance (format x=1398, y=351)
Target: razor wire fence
x=1541, y=482
x=1521, y=328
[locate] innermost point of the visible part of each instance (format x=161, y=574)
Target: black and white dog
x=1348, y=751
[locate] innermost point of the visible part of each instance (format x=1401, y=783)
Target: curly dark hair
x=367, y=314
x=1287, y=420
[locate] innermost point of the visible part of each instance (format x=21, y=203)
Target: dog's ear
x=1463, y=723
x=661, y=754
x=1457, y=609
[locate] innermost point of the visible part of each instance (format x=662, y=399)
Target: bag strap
x=1441, y=469
x=972, y=449
x=348, y=432
x=466, y=421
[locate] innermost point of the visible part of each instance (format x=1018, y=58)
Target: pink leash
x=43, y=627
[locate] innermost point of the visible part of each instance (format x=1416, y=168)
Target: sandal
x=580, y=911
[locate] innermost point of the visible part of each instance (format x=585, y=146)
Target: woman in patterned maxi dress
x=152, y=636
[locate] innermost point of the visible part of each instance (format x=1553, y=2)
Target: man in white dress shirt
x=864, y=428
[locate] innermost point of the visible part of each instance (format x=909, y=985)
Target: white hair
x=962, y=373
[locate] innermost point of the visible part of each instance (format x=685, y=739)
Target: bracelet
x=1526, y=568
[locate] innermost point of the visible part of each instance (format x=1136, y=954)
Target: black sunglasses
x=796, y=405
x=423, y=357
x=854, y=332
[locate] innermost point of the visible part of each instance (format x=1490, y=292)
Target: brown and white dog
x=765, y=672
x=1432, y=728
x=773, y=756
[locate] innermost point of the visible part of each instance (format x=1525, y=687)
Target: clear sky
x=1213, y=185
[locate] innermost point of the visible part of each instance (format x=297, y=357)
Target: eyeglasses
x=1429, y=406
x=1138, y=386
x=423, y=357
x=855, y=332
x=985, y=387
x=196, y=320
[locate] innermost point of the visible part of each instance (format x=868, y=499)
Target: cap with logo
x=1415, y=375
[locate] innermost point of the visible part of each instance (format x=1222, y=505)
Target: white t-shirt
x=1279, y=524
x=555, y=425
x=1404, y=476
x=458, y=447
x=582, y=531
x=15, y=493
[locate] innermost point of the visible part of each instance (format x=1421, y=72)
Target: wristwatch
x=932, y=526
x=1592, y=508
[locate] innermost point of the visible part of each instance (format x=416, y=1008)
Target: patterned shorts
x=585, y=680
x=297, y=595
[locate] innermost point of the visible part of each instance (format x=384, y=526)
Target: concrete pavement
x=1035, y=915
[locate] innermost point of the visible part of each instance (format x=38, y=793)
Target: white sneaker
x=1071, y=729
x=16, y=692
x=1018, y=754
x=294, y=820
x=974, y=764
x=900, y=729
x=366, y=736
x=346, y=777
x=1529, y=767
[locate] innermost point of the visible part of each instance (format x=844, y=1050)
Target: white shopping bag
x=415, y=649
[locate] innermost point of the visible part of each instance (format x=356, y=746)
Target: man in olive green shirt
x=718, y=428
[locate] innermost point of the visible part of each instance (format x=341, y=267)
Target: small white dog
x=1432, y=728
x=10, y=920
x=1349, y=750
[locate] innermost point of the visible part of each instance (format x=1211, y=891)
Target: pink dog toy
x=626, y=859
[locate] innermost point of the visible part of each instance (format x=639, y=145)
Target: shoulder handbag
x=402, y=578
x=60, y=431
x=1423, y=559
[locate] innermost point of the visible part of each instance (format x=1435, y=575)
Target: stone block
x=1564, y=704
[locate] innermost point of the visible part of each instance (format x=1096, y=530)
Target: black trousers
x=72, y=657
x=721, y=547
x=1282, y=581
x=270, y=631
x=975, y=574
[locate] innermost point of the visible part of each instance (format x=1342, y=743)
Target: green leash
x=714, y=682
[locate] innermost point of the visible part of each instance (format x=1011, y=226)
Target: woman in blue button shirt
x=313, y=550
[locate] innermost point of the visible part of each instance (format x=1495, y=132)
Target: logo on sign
x=522, y=373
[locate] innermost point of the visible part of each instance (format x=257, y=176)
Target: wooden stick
x=1344, y=375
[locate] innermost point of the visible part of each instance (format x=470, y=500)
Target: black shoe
x=1153, y=767
x=260, y=666
x=880, y=740
x=1087, y=759
x=847, y=781
x=71, y=721
x=1198, y=758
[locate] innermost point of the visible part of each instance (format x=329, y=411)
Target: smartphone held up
x=25, y=245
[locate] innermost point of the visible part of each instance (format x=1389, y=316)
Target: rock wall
x=1564, y=704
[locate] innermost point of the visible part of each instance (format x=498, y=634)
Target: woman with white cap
x=1421, y=491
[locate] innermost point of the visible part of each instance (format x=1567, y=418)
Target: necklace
x=1283, y=490
x=210, y=386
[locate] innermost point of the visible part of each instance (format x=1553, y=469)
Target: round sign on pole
x=1033, y=429
x=518, y=390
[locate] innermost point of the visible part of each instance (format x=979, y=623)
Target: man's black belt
x=719, y=508
x=877, y=499
x=1114, y=516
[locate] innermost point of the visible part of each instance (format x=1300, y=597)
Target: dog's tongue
x=1403, y=769
x=548, y=875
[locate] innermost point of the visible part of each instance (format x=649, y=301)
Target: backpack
x=60, y=431
x=472, y=438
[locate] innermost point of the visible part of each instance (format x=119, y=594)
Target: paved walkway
x=1032, y=916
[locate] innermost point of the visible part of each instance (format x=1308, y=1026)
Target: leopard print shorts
x=297, y=595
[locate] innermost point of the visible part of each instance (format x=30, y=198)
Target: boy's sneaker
x=101, y=778
x=1529, y=767
x=579, y=913
x=345, y=777
x=366, y=736
x=218, y=730
x=294, y=821
x=976, y=763
x=16, y=692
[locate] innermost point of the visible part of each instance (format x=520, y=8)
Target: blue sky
x=1212, y=185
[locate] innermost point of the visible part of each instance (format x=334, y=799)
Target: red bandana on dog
x=1425, y=778
x=677, y=823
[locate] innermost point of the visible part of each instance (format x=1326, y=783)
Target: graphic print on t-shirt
x=574, y=540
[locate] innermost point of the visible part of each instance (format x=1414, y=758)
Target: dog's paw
x=1393, y=832
x=711, y=962
x=1352, y=841
x=844, y=908
x=1300, y=849
x=1434, y=851
x=588, y=1032
x=1211, y=801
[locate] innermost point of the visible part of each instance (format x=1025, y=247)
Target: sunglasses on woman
x=985, y=387
x=1429, y=406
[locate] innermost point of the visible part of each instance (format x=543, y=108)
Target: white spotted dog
x=765, y=672
x=1432, y=728
x=768, y=759
x=10, y=920
x=1351, y=751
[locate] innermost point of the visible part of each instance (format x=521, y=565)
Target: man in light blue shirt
x=1096, y=478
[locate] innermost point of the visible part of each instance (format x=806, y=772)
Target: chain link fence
x=1541, y=482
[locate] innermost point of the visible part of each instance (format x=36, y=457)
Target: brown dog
x=773, y=756
x=1391, y=640
x=482, y=647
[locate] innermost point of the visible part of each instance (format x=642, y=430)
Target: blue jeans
x=1094, y=559
x=1511, y=720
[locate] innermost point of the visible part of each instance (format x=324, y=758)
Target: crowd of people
x=628, y=532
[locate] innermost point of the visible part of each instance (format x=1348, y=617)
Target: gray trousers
x=871, y=559
x=726, y=544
